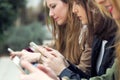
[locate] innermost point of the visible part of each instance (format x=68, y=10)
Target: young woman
x=104, y=38
x=71, y=40
x=112, y=9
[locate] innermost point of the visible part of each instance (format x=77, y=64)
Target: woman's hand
x=53, y=59
x=25, y=55
x=40, y=73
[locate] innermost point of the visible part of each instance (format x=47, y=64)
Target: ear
x=75, y=10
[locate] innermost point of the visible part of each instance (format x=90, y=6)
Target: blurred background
x=22, y=21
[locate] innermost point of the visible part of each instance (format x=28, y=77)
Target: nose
x=73, y=9
x=99, y=1
x=51, y=13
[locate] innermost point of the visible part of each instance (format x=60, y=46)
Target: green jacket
x=111, y=74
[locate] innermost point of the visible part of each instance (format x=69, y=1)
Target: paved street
x=8, y=70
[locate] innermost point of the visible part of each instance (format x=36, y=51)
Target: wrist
x=66, y=64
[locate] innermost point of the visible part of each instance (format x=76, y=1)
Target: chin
x=84, y=23
x=60, y=23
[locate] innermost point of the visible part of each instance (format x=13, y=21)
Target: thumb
x=42, y=68
x=17, y=53
x=28, y=66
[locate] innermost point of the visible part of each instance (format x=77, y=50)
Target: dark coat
x=108, y=58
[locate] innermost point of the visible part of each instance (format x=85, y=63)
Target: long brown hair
x=67, y=36
x=97, y=23
x=90, y=24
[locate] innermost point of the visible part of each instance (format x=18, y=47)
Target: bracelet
x=65, y=78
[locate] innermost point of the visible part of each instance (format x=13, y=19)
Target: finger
x=48, y=48
x=24, y=77
x=53, y=51
x=19, y=54
x=28, y=66
x=12, y=56
x=25, y=51
x=44, y=52
x=43, y=68
x=43, y=59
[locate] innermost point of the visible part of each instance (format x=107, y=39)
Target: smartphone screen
x=16, y=60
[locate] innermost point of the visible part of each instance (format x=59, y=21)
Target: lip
x=55, y=19
x=110, y=8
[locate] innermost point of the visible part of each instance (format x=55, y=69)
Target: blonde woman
x=112, y=9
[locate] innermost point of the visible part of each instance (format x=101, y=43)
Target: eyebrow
x=50, y=4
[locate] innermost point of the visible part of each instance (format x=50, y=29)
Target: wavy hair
x=66, y=36
x=117, y=44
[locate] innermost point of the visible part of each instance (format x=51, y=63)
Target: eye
x=53, y=6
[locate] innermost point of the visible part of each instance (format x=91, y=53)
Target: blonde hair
x=117, y=45
x=102, y=9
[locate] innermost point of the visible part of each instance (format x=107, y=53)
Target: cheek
x=66, y=13
x=96, y=1
x=85, y=19
x=115, y=13
x=116, y=16
x=82, y=14
x=58, y=11
x=63, y=13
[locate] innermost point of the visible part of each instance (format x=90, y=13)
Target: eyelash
x=53, y=6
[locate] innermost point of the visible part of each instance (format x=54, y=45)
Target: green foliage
x=20, y=37
x=9, y=10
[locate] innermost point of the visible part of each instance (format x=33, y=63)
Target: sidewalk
x=8, y=70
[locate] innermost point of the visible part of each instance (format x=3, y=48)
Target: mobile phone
x=16, y=60
x=35, y=47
